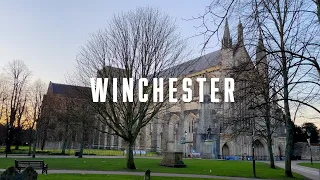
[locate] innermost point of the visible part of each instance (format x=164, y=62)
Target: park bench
x=35, y=164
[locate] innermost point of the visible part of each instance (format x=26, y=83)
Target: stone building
x=61, y=111
x=225, y=120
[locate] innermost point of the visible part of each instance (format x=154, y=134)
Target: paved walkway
x=311, y=173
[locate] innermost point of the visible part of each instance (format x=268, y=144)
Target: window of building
x=192, y=126
x=196, y=89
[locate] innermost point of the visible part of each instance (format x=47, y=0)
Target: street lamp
x=309, y=143
x=185, y=145
x=251, y=112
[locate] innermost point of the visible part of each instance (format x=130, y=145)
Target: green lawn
x=106, y=177
x=315, y=165
x=194, y=166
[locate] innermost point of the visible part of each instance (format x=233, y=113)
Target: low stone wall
x=302, y=149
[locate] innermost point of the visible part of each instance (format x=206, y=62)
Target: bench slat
x=36, y=164
x=33, y=163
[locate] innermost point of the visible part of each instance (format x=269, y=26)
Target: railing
x=249, y=158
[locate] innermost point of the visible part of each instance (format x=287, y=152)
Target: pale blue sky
x=47, y=35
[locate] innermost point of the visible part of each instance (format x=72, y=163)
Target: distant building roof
x=67, y=90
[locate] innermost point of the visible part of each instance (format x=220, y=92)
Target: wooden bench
x=35, y=164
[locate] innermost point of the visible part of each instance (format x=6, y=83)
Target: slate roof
x=67, y=90
x=202, y=62
x=191, y=66
x=195, y=65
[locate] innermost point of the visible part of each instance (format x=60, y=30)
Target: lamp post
x=251, y=111
x=185, y=144
x=309, y=143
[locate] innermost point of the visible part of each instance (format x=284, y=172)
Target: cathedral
x=207, y=129
x=185, y=127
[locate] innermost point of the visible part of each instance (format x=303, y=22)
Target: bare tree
x=317, y=2
x=139, y=44
x=18, y=74
x=84, y=117
x=291, y=36
x=62, y=109
x=35, y=98
x=65, y=119
x=3, y=95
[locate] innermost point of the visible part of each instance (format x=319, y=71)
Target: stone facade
x=192, y=120
x=302, y=150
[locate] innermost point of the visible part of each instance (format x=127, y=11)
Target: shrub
x=30, y=174
x=12, y=174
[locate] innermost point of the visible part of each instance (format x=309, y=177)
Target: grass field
x=98, y=152
x=194, y=166
x=105, y=177
x=315, y=165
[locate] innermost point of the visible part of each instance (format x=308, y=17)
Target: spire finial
x=240, y=33
x=261, y=55
x=260, y=45
x=226, y=41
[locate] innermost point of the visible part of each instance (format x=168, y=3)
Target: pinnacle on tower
x=261, y=56
x=260, y=51
x=226, y=41
x=240, y=33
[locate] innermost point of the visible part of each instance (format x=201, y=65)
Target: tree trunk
x=9, y=139
x=8, y=144
x=288, y=149
x=18, y=137
x=29, y=151
x=64, y=146
x=269, y=135
x=130, y=160
x=288, y=121
x=269, y=141
x=81, y=149
x=65, y=138
x=30, y=142
x=11, y=130
x=44, y=140
x=82, y=143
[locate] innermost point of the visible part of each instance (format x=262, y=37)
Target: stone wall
x=302, y=149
